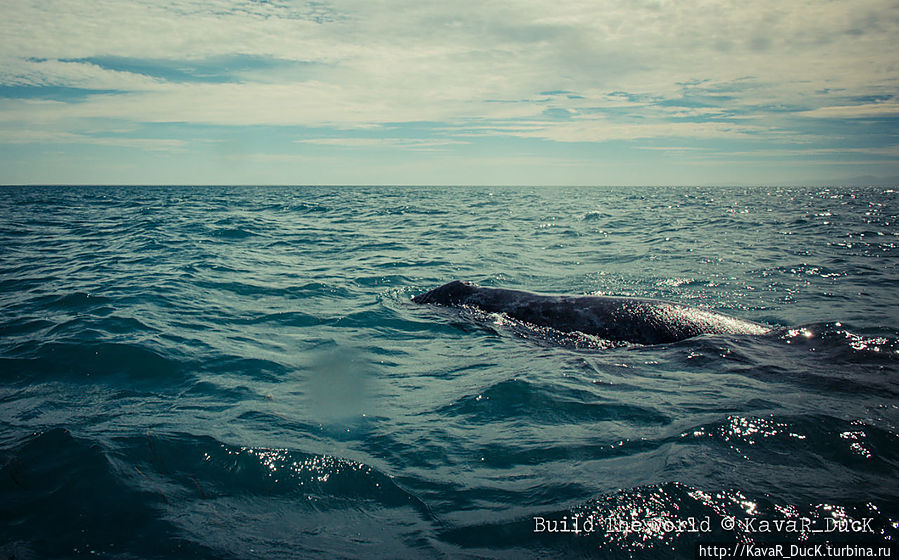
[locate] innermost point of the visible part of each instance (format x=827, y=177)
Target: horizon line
x=462, y=185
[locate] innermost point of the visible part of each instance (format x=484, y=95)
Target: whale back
x=453, y=294
x=611, y=318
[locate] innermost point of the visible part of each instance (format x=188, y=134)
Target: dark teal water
x=193, y=372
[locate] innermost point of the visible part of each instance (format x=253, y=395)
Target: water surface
x=211, y=372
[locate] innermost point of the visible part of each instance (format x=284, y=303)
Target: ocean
x=240, y=372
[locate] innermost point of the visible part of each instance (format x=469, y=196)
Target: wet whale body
x=640, y=321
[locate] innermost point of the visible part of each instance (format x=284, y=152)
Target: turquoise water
x=199, y=372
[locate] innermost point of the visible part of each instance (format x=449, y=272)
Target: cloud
x=59, y=137
x=582, y=71
x=604, y=130
x=418, y=144
x=864, y=110
x=291, y=104
x=36, y=73
x=476, y=49
x=819, y=155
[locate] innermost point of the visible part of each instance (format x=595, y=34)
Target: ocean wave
x=548, y=404
x=85, y=361
x=70, y=495
x=668, y=520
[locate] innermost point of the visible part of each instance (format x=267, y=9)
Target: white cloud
x=604, y=130
x=297, y=104
x=634, y=69
x=60, y=137
x=887, y=151
x=81, y=75
x=419, y=144
x=864, y=110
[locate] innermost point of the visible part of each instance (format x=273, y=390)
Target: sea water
x=239, y=372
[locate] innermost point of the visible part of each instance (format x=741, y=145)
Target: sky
x=600, y=92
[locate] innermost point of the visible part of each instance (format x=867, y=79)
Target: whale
x=619, y=319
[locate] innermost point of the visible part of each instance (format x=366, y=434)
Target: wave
x=66, y=496
x=836, y=341
x=550, y=405
x=141, y=495
x=668, y=520
x=91, y=361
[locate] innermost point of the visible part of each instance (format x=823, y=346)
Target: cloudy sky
x=594, y=92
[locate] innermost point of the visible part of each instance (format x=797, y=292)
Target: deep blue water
x=199, y=372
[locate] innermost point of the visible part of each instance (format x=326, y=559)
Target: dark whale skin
x=640, y=321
